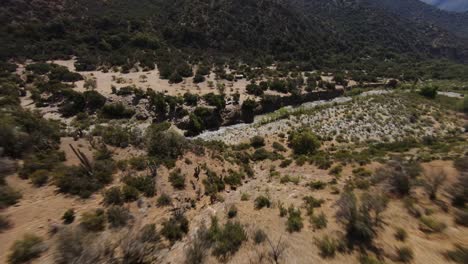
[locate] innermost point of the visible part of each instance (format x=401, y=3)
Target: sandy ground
x=152, y=80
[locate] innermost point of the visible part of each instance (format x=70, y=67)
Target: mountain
x=449, y=5
x=419, y=12
x=316, y=33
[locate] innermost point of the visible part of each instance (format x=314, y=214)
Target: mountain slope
x=118, y=32
x=420, y=12
x=449, y=5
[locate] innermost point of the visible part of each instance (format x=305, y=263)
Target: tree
x=248, y=110
x=304, y=142
x=429, y=91
x=175, y=78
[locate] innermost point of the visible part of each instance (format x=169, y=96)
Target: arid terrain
x=243, y=132
x=355, y=138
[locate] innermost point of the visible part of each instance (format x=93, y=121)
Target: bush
x=458, y=255
x=69, y=216
x=164, y=144
x=94, y=221
x=129, y=193
x=175, y=228
x=234, y=178
x=327, y=246
x=198, y=78
x=401, y=234
x=116, y=111
x=405, y=254
x=26, y=249
x=294, y=223
x=429, y=91
x=262, y=201
x=257, y=142
x=164, y=200
x=319, y=222
x=232, y=212
x=336, y=170
x=226, y=240
x=461, y=217
x=77, y=181
x=259, y=236
x=144, y=184
x=113, y=196
x=39, y=177
x=304, y=142
x=430, y=225
x=5, y=223
x=365, y=259
x=177, y=179
x=118, y=216
x=317, y=185
x=311, y=203
x=8, y=196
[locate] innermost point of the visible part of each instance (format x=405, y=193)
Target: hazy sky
x=452, y=5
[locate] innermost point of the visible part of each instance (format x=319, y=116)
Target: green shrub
x=429, y=91
x=401, y=234
x=113, y=196
x=362, y=172
x=213, y=183
x=77, y=181
x=8, y=196
x=257, y=142
x=461, y=217
x=259, y=236
x=262, y=154
x=39, y=177
x=26, y=249
x=118, y=216
x=5, y=223
x=129, y=193
x=164, y=200
x=262, y=201
x=317, y=185
x=138, y=163
x=311, y=203
x=164, y=144
x=175, y=228
x=294, y=223
x=232, y=212
x=116, y=111
x=234, y=178
x=304, y=142
x=336, y=170
x=327, y=246
x=405, y=254
x=94, y=221
x=285, y=163
x=227, y=240
x=177, y=179
x=431, y=225
x=458, y=255
x=144, y=184
x=69, y=216
x=319, y=221
x=366, y=259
